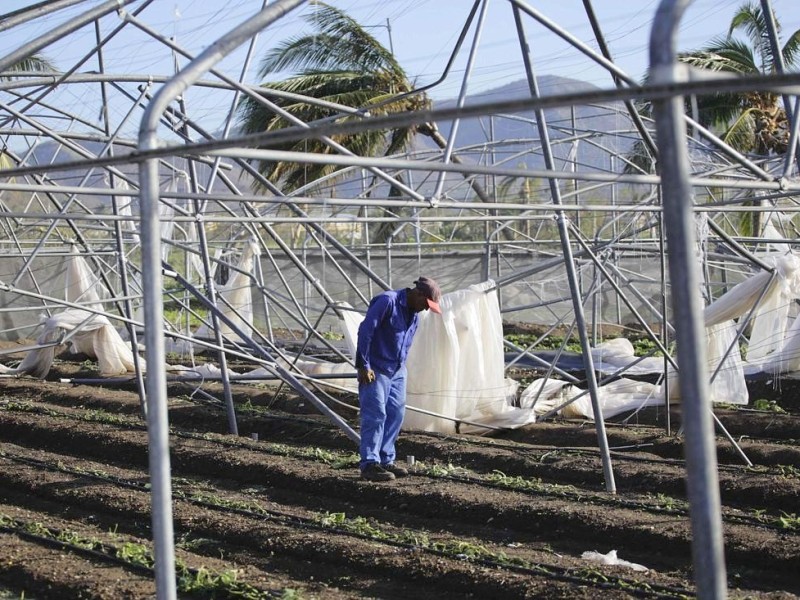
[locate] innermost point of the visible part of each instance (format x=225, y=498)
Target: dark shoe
x=396, y=470
x=375, y=472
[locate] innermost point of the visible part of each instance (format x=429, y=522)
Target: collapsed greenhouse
x=160, y=251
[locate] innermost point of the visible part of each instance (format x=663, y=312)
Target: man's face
x=417, y=300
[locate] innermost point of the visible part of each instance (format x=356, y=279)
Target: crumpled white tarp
x=456, y=366
x=87, y=333
x=611, y=558
x=236, y=298
x=621, y=395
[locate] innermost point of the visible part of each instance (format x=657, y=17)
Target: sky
x=422, y=34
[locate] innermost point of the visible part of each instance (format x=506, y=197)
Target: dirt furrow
x=341, y=555
x=545, y=520
x=508, y=515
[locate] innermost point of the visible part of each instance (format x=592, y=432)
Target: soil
x=286, y=515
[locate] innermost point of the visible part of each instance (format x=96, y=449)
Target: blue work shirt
x=386, y=333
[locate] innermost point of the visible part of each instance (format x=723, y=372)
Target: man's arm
x=376, y=313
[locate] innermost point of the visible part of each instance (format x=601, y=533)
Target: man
x=384, y=339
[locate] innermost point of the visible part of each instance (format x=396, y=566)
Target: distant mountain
x=174, y=172
x=583, y=138
x=596, y=127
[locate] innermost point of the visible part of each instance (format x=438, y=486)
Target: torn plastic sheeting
x=611, y=559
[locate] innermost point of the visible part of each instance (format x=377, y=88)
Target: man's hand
x=366, y=376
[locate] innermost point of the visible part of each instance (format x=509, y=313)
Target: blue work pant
x=383, y=406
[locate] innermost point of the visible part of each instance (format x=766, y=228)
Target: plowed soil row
x=508, y=516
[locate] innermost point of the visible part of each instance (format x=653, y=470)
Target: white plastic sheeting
x=81, y=283
x=774, y=347
x=86, y=333
x=456, y=365
x=611, y=558
x=619, y=396
x=235, y=298
x=93, y=334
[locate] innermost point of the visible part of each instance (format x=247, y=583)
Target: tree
x=339, y=61
x=753, y=121
x=747, y=121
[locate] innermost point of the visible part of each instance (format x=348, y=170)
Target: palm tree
x=339, y=62
x=753, y=121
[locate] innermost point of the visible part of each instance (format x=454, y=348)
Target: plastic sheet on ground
x=86, y=333
x=611, y=558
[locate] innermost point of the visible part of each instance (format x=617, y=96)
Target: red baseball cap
x=430, y=289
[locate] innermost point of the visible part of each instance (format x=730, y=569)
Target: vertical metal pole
x=777, y=54
x=701, y=457
x=664, y=322
x=462, y=97
x=791, y=153
x=389, y=29
x=569, y=263
x=156, y=386
x=121, y=261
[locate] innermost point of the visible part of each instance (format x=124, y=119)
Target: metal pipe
x=123, y=272
x=158, y=430
x=701, y=457
x=569, y=263
x=462, y=98
x=60, y=32
x=289, y=117
x=777, y=53
x=287, y=376
x=28, y=13
x=791, y=153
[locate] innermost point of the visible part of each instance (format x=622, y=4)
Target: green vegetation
x=641, y=346
x=460, y=549
x=788, y=471
x=789, y=521
x=339, y=61
x=767, y=405
x=750, y=121
x=517, y=482
x=179, y=316
x=201, y=581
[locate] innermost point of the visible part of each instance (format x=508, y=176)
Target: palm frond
x=338, y=62
x=639, y=160
x=337, y=43
x=723, y=55
x=751, y=20
x=740, y=134
x=310, y=52
x=791, y=50
x=718, y=110
x=369, y=53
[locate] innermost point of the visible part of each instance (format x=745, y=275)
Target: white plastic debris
x=611, y=559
